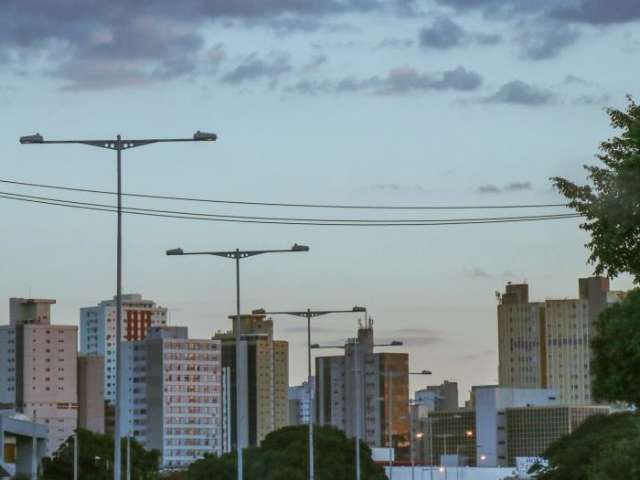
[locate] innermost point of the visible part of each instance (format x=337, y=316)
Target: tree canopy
x=95, y=458
x=283, y=456
x=611, y=203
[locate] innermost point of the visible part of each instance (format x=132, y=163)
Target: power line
x=277, y=219
x=82, y=206
x=290, y=205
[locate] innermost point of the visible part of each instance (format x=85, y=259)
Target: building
x=299, y=405
x=18, y=437
x=366, y=387
x=38, y=363
x=98, y=330
x=91, y=403
x=446, y=438
x=172, y=395
x=439, y=398
x=547, y=344
x=531, y=430
x=265, y=373
x=491, y=403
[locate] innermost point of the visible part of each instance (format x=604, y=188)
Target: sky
x=367, y=102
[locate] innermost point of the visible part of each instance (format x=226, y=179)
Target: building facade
x=366, y=387
x=91, y=403
x=547, y=344
x=265, y=374
x=172, y=394
x=38, y=363
x=299, y=405
x=438, y=398
x=98, y=330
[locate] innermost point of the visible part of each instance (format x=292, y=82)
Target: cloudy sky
x=369, y=102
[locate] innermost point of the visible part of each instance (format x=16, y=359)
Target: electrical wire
x=290, y=205
x=187, y=216
x=278, y=219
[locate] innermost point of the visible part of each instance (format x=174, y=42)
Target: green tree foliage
x=584, y=455
x=616, y=348
x=95, y=458
x=283, y=456
x=611, y=204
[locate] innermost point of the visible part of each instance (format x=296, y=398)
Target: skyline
x=347, y=102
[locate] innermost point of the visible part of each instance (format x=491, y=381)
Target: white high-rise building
x=172, y=394
x=98, y=330
x=299, y=405
x=38, y=363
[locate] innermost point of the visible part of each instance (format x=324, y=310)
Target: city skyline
x=521, y=105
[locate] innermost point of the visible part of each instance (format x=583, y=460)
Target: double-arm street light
x=309, y=314
x=238, y=255
x=356, y=386
x=119, y=144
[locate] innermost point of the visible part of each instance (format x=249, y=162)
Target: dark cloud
x=509, y=187
x=444, y=33
x=546, y=40
x=599, y=12
x=100, y=44
x=574, y=80
x=413, y=337
x=399, y=81
x=521, y=93
x=255, y=68
x=315, y=62
x=593, y=100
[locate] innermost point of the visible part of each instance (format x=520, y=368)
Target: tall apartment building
x=98, y=330
x=438, y=398
x=38, y=364
x=547, y=344
x=91, y=404
x=265, y=373
x=173, y=395
x=359, y=387
x=299, y=405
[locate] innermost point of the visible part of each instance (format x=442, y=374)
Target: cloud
x=315, y=62
x=591, y=100
x=546, y=40
x=479, y=272
x=399, y=81
x=254, y=68
x=598, y=12
x=393, y=42
x=444, y=33
x=521, y=93
x=413, y=337
x=394, y=187
x=509, y=187
x=100, y=44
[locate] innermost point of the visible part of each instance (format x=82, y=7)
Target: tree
x=582, y=454
x=611, y=205
x=283, y=456
x=95, y=454
x=616, y=349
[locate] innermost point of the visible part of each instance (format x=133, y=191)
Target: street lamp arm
x=239, y=253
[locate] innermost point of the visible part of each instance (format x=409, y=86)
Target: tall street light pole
x=238, y=255
x=356, y=386
x=309, y=314
x=391, y=375
x=119, y=144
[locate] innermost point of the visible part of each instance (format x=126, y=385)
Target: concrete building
x=266, y=376
x=91, y=403
x=531, y=430
x=299, y=403
x=38, y=368
x=439, y=398
x=359, y=386
x=547, y=344
x=172, y=395
x=18, y=436
x=98, y=330
x=446, y=438
x=491, y=403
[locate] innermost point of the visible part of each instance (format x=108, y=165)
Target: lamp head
x=37, y=138
x=397, y=343
x=359, y=309
x=204, y=137
x=314, y=345
x=175, y=251
x=299, y=248
x=259, y=311
x=426, y=372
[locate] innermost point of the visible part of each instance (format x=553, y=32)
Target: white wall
x=463, y=473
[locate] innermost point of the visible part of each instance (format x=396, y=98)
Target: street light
x=238, y=255
x=309, y=314
x=118, y=145
x=392, y=375
x=356, y=395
